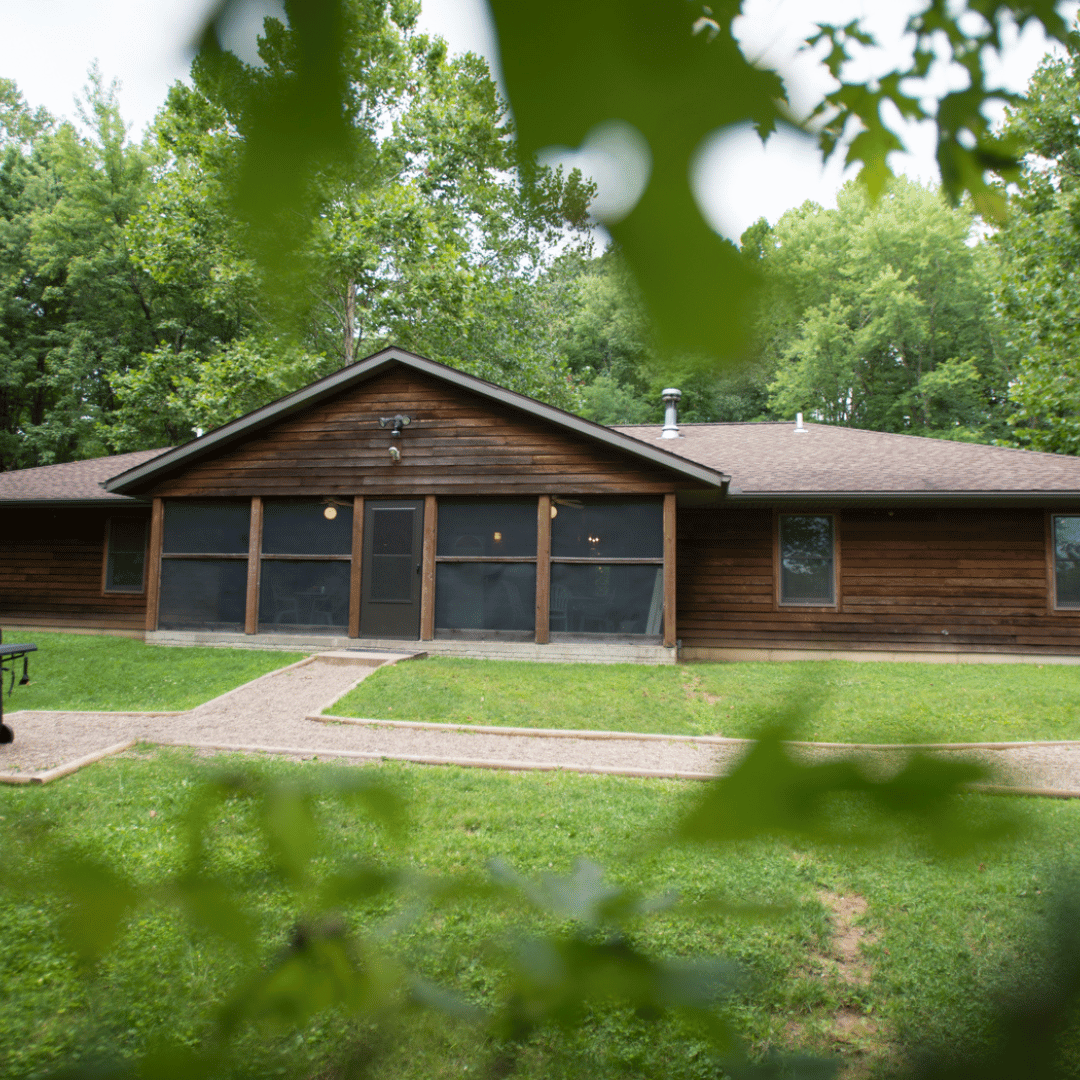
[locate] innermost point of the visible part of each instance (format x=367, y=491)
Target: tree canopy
x=1040, y=247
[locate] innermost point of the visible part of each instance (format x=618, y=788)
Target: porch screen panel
x=306, y=527
x=1067, y=562
x=204, y=565
x=202, y=594
x=485, y=596
x=598, y=598
x=607, y=530
x=206, y=528
x=607, y=563
x=308, y=594
x=485, y=577
x=304, y=570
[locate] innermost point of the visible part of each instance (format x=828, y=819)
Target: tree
x=430, y=236
x=75, y=306
x=879, y=315
x=1040, y=246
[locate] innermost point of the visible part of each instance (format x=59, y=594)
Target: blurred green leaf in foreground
x=653, y=80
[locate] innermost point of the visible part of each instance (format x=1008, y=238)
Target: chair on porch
x=285, y=605
x=559, y=618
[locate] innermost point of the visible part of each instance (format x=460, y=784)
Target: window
x=485, y=576
x=125, y=555
x=1066, y=561
x=807, y=561
x=607, y=562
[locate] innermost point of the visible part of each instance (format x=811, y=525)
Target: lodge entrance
x=390, y=577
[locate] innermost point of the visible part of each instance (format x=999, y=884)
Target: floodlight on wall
x=396, y=423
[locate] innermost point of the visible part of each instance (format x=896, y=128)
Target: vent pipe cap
x=799, y=429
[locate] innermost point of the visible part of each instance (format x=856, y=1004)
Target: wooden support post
x=669, y=570
x=427, y=569
x=251, y=612
x=153, y=578
x=356, y=565
x=543, y=569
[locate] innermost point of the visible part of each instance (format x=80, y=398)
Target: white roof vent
x=671, y=398
x=799, y=429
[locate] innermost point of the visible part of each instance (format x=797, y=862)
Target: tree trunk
x=350, y=320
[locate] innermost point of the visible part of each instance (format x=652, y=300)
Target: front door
x=390, y=577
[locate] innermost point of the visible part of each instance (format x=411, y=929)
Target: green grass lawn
x=841, y=701
x=941, y=933
x=84, y=671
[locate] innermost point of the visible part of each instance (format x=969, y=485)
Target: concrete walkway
x=280, y=713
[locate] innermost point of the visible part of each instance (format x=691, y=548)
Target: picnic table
x=9, y=654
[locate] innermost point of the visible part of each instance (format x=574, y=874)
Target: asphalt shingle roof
x=761, y=458
x=770, y=458
x=74, y=481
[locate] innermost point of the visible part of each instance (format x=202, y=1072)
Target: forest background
x=136, y=311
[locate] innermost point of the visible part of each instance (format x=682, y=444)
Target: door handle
x=418, y=568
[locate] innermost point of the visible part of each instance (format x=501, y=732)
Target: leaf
x=214, y=906
x=583, y=895
x=98, y=900
x=770, y=793
x=638, y=61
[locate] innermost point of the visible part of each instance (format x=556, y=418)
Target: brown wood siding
x=457, y=444
x=50, y=571
x=915, y=580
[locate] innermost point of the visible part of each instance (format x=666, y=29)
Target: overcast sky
x=47, y=47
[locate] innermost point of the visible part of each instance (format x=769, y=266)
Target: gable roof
x=215, y=442
x=771, y=459
x=73, y=483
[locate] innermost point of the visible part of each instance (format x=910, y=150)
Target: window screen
x=206, y=528
x=302, y=528
x=485, y=596
x=1067, y=561
x=487, y=529
x=306, y=594
x=597, y=599
x=203, y=594
x=607, y=530
x=126, y=558
x=806, y=559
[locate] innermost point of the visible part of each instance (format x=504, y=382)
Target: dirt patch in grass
x=849, y=1030
x=692, y=690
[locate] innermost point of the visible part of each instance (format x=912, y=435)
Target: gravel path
x=277, y=713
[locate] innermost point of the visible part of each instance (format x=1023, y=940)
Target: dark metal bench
x=9, y=654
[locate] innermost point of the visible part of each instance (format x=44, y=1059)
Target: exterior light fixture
x=330, y=512
x=497, y=537
x=396, y=423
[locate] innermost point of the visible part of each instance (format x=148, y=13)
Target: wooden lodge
x=399, y=499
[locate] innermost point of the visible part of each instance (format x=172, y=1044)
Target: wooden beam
x=153, y=581
x=357, y=565
x=251, y=612
x=543, y=570
x=427, y=575
x=669, y=570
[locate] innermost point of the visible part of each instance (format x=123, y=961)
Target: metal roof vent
x=671, y=398
x=799, y=429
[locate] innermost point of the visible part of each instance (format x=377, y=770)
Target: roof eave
x=71, y=504
x=1040, y=495
x=224, y=436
